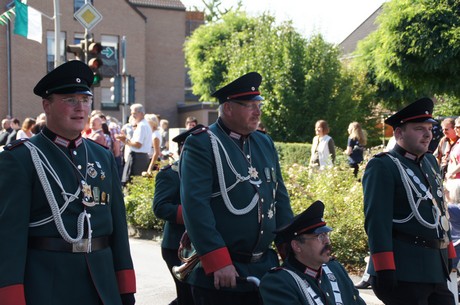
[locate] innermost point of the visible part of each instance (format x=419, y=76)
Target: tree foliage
x=303, y=79
x=415, y=50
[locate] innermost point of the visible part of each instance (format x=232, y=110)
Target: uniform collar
x=61, y=141
x=314, y=273
x=232, y=134
x=407, y=154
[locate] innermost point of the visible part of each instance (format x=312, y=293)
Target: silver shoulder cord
x=215, y=143
x=308, y=292
x=409, y=186
x=40, y=165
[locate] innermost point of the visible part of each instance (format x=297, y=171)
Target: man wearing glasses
x=63, y=231
x=309, y=275
x=233, y=197
x=405, y=215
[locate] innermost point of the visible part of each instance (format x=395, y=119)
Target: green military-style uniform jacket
x=411, y=241
x=35, y=276
x=235, y=226
x=280, y=287
x=167, y=205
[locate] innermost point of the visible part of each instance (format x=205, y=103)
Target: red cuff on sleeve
x=383, y=261
x=179, y=217
x=12, y=295
x=126, y=281
x=215, y=260
x=451, y=250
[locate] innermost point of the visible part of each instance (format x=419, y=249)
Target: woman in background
x=322, y=147
x=355, y=146
x=26, y=129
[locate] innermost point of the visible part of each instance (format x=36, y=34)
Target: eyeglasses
x=251, y=106
x=323, y=237
x=73, y=101
x=457, y=127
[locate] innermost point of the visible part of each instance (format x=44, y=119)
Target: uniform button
x=263, y=215
x=262, y=232
x=79, y=166
x=74, y=153
x=262, y=200
x=258, y=185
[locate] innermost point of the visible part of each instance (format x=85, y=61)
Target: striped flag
x=28, y=22
x=6, y=16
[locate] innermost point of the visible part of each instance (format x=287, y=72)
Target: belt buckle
x=256, y=257
x=81, y=246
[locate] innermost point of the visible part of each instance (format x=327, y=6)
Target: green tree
x=415, y=50
x=213, y=11
x=303, y=79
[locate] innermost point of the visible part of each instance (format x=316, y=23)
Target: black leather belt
x=60, y=245
x=420, y=241
x=246, y=258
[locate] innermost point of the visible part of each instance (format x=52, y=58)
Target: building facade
x=154, y=31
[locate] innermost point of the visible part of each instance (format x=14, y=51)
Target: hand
x=127, y=299
x=121, y=137
x=386, y=280
x=225, y=277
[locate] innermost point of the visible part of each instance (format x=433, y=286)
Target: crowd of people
x=224, y=203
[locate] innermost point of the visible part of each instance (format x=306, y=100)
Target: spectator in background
x=446, y=144
x=97, y=135
x=26, y=129
x=6, y=131
x=190, y=122
x=164, y=131
x=452, y=192
x=453, y=169
x=117, y=148
x=355, y=146
x=154, y=165
x=15, y=126
x=140, y=144
x=40, y=123
x=322, y=147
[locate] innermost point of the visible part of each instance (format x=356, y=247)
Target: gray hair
x=137, y=108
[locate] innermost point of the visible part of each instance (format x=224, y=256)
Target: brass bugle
x=181, y=272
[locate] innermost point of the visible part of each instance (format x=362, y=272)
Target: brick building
x=155, y=32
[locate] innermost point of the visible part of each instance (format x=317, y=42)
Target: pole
x=124, y=98
x=57, y=34
x=8, y=55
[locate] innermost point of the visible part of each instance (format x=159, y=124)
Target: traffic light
x=116, y=89
x=78, y=50
x=131, y=95
x=95, y=62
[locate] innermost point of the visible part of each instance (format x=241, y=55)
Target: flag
x=28, y=22
x=6, y=16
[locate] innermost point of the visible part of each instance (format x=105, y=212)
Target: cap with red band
x=245, y=88
x=419, y=111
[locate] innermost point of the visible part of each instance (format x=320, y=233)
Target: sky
x=334, y=19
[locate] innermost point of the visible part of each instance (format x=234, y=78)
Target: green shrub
x=290, y=153
x=138, y=203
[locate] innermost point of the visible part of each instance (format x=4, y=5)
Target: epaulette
x=106, y=147
x=166, y=167
x=381, y=154
x=198, y=131
x=15, y=143
x=274, y=269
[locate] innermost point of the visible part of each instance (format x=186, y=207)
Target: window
x=50, y=49
x=106, y=100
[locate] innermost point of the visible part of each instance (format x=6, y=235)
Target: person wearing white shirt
x=140, y=144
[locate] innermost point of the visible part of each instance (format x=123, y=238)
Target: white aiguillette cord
x=40, y=164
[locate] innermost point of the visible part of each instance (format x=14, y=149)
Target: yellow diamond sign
x=88, y=16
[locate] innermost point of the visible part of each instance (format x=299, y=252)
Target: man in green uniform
x=405, y=216
x=63, y=231
x=308, y=276
x=233, y=197
x=167, y=206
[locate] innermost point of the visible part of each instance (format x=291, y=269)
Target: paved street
x=155, y=285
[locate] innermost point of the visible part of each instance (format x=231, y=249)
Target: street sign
x=88, y=16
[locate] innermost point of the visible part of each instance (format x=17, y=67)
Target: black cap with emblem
x=180, y=138
x=71, y=77
x=245, y=88
x=418, y=111
x=309, y=221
